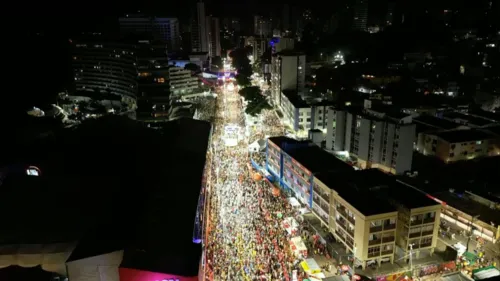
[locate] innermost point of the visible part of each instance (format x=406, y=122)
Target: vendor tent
x=485, y=273
x=290, y=225
x=298, y=246
x=257, y=146
x=293, y=202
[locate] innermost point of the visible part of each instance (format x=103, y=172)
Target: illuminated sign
x=33, y=171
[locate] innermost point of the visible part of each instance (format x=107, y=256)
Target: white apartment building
x=288, y=72
x=181, y=81
x=377, y=139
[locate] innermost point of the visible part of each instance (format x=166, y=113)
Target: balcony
x=374, y=254
x=375, y=229
x=429, y=220
x=325, y=197
x=342, y=211
x=374, y=242
x=415, y=234
x=388, y=239
x=349, y=243
x=416, y=222
x=389, y=226
x=425, y=233
x=340, y=234
x=316, y=200
x=423, y=245
x=388, y=252
x=352, y=220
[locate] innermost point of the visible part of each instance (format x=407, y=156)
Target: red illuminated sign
x=129, y=274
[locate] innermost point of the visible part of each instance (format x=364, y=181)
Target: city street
x=245, y=240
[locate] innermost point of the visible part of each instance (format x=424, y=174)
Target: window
x=478, y=142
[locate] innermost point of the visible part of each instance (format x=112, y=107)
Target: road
x=238, y=246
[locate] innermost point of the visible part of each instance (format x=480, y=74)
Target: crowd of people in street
x=245, y=238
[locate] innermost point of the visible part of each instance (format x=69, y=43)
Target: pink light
x=128, y=274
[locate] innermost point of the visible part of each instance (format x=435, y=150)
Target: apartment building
x=296, y=112
x=164, y=29
x=377, y=138
x=181, y=81
x=295, y=163
x=288, y=72
x=456, y=145
x=375, y=216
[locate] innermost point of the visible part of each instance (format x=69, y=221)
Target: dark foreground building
x=109, y=200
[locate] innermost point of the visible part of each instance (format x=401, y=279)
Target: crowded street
x=245, y=239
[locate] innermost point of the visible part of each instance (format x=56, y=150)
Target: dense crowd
x=205, y=108
x=246, y=240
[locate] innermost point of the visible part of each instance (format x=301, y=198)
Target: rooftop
x=317, y=160
x=432, y=123
x=91, y=192
x=457, y=136
x=295, y=99
x=359, y=188
x=468, y=119
x=282, y=142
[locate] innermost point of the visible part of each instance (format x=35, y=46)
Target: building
x=402, y=215
x=263, y=27
x=99, y=237
x=377, y=138
x=213, y=34
x=296, y=112
x=360, y=20
x=199, y=33
x=288, y=72
x=164, y=29
x=106, y=70
x=373, y=214
x=462, y=210
x=281, y=44
x=457, y=145
x=294, y=163
x=181, y=81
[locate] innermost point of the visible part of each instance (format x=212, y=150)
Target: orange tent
x=276, y=191
x=257, y=176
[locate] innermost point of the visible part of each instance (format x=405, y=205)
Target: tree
x=241, y=62
x=256, y=102
x=243, y=80
x=193, y=67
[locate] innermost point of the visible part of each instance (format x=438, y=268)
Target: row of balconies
x=382, y=240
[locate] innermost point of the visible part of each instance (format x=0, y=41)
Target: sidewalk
x=491, y=251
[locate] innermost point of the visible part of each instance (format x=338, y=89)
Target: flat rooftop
x=462, y=203
x=361, y=188
x=457, y=136
x=295, y=99
x=470, y=119
x=430, y=122
x=282, y=141
x=112, y=184
x=317, y=160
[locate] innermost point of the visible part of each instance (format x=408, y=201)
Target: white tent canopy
x=257, y=146
x=293, y=202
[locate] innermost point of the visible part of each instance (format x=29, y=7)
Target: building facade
x=165, y=29
x=457, y=145
x=106, y=69
x=376, y=139
x=199, y=38
x=181, y=82
x=288, y=72
x=213, y=34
